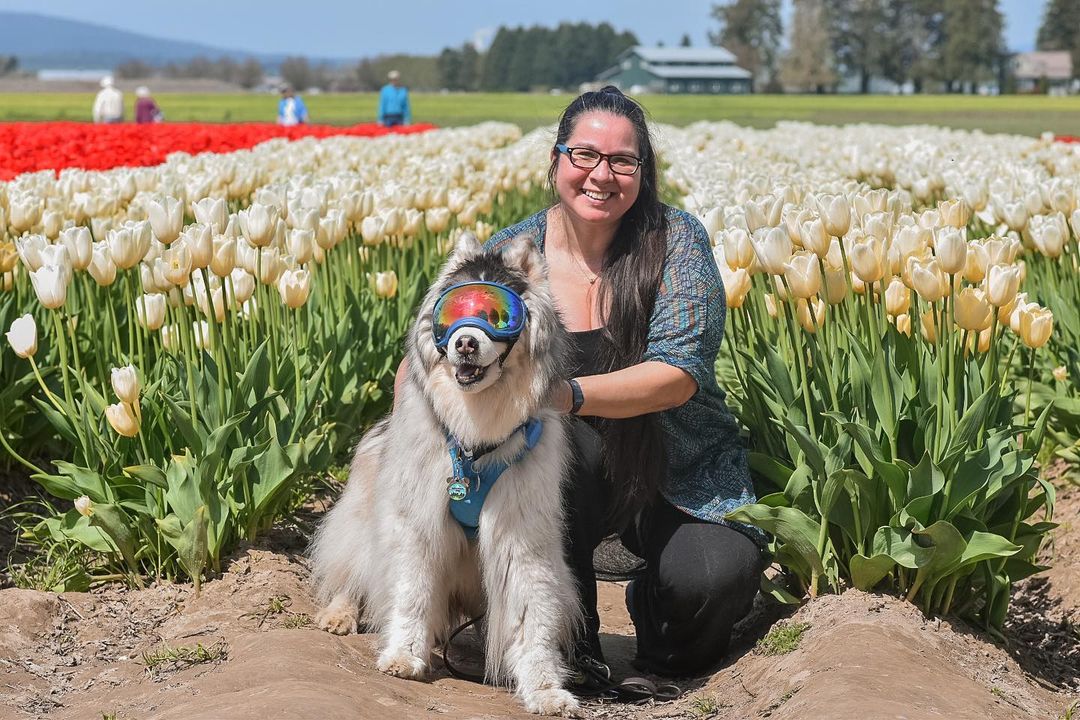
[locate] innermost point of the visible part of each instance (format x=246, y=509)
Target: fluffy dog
x=390, y=554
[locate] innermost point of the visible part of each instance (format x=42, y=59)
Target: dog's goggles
x=493, y=308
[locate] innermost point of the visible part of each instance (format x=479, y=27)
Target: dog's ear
x=521, y=253
x=467, y=245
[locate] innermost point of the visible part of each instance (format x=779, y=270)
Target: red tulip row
x=33, y=146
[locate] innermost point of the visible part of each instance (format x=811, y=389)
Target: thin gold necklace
x=589, y=276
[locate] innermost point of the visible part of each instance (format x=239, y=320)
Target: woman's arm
x=637, y=390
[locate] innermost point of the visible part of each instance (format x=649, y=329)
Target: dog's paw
x=337, y=619
x=402, y=664
x=553, y=701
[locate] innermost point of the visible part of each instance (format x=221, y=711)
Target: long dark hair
x=633, y=449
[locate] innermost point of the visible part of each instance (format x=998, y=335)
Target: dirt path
x=83, y=655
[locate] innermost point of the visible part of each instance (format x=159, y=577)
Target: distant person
x=109, y=103
x=291, y=109
x=146, y=110
x=394, y=102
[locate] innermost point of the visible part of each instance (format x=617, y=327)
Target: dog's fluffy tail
x=338, y=562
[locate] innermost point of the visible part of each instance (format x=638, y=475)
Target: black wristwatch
x=576, y=394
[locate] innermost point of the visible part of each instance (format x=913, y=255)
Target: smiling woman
x=658, y=458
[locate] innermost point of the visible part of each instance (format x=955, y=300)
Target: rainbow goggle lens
x=493, y=308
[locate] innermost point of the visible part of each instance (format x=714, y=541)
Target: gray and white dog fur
x=390, y=555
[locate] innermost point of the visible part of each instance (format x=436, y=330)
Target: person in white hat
x=146, y=109
x=394, y=102
x=109, y=103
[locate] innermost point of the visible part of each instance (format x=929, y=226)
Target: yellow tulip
x=811, y=314
x=897, y=297
x=1061, y=374
x=385, y=284
x=928, y=323
x=738, y=249
x=927, y=278
x=973, y=311
x=954, y=213
x=1036, y=325
x=903, y=323
x=122, y=418
x=803, y=274
x=9, y=257
x=736, y=285
x=294, y=286
x=975, y=262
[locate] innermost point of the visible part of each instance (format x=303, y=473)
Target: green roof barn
x=678, y=70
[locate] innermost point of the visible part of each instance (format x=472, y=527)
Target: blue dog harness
x=469, y=487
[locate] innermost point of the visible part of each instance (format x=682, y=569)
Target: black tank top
x=586, y=352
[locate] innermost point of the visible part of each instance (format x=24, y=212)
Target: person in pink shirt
x=146, y=110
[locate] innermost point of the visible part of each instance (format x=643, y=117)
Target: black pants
x=700, y=578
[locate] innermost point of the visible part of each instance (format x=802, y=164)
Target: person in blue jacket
x=291, y=109
x=394, y=102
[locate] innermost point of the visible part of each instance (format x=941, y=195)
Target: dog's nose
x=466, y=345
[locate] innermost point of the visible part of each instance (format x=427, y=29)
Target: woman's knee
x=708, y=573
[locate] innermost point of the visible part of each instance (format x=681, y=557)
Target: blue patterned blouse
x=708, y=471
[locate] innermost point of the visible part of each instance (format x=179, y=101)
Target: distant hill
x=42, y=41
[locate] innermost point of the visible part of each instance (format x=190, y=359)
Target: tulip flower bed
x=879, y=350
x=30, y=147
x=186, y=344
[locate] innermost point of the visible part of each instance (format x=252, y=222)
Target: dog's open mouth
x=467, y=374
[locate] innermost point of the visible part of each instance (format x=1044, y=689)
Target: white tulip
x=151, y=310
x=50, y=284
x=212, y=212
x=166, y=215
x=23, y=336
x=294, y=287
x=125, y=383
x=258, y=223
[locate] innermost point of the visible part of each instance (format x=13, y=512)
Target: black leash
x=591, y=680
x=460, y=674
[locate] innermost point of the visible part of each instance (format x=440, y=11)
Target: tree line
x=522, y=59
x=951, y=45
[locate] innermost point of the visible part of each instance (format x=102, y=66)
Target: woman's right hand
x=561, y=397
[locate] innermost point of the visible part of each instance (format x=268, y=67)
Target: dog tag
x=457, y=489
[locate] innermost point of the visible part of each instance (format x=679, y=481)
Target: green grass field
x=1027, y=115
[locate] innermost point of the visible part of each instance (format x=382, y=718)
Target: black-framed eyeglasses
x=587, y=159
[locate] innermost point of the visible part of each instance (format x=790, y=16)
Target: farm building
x=1045, y=71
x=678, y=70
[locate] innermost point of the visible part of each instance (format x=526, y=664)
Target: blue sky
x=365, y=28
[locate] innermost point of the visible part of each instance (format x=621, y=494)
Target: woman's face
x=598, y=195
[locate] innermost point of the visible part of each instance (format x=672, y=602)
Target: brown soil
x=81, y=655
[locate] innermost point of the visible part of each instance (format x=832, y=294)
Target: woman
x=660, y=461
